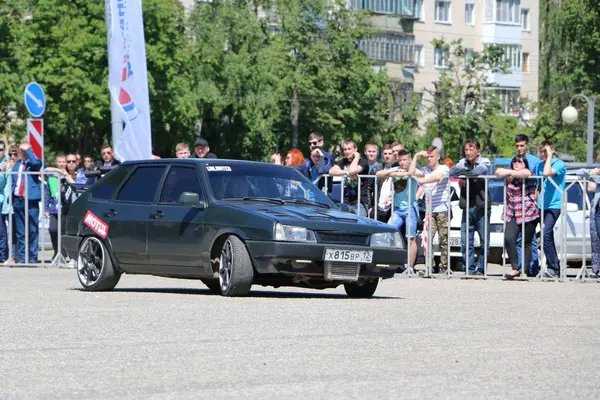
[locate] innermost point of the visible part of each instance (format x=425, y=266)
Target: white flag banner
x=128, y=78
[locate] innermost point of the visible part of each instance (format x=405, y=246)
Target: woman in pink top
x=520, y=208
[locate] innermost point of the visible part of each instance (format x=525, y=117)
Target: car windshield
x=263, y=182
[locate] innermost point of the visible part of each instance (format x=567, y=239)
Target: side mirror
x=190, y=199
x=344, y=207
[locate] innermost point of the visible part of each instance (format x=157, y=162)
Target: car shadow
x=253, y=294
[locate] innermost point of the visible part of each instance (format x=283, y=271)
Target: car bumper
x=307, y=259
x=71, y=245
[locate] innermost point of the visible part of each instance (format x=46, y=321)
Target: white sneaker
x=10, y=261
x=71, y=264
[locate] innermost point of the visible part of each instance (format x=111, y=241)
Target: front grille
x=342, y=238
x=341, y=272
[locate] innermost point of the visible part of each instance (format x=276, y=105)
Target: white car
x=576, y=224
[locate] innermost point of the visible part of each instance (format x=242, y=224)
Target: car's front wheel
x=361, y=289
x=235, y=268
x=95, y=269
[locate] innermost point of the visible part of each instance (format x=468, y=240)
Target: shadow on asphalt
x=253, y=293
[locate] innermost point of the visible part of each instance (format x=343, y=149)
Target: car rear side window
x=110, y=182
x=179, y=180
x=142, y=186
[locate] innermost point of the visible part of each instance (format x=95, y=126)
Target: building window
x=419, y=56
x=525, y=19
x=419, y=13
x=509, y=99
x=470, y=13
x=508, y=11
x=442, y=12
x=525, y=62
x=512, y=55
x=392, y=48
x=440, y=58
x=401, y=7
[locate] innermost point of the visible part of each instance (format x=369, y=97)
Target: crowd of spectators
x=395, y=185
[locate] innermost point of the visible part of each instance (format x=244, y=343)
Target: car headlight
x=386, y=239
x=290, y=233
x=496, y=228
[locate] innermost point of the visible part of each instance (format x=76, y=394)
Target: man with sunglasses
x=27, y=193
x=108, y=158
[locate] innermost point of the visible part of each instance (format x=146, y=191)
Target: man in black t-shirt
x=350, y=167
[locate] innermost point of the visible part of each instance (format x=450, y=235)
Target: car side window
x=179, y=180
x=110, y=182
x=142, y=185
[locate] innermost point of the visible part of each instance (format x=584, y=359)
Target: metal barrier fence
x=13, y=234
x=569, y=221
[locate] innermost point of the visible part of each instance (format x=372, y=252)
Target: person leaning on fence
x=553, y=170
x=5, y=164
x=350, y=167
x=434, y=181
x=405, y=202
x=522, y=149
x=26, y=189
x=520, y=211
x=472, y=166
x=317, y=165
x=383, y=201
x=593, y=176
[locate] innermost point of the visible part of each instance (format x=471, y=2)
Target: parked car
x=231, y=224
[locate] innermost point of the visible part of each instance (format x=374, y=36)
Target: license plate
x=350, y=256
x=455, y=242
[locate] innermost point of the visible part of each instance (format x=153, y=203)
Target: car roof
x=196, y=161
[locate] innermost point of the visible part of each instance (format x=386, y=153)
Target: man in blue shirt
x=522, y=149
x=550, y=200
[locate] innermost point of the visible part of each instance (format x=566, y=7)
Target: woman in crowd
x=520, y=211
x=294, y=158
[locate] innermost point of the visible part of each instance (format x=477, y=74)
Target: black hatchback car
x=229, y=223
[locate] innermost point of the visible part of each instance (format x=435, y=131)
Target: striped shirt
x=514, y=201
x=439, y=191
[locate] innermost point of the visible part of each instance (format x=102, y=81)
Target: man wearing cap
x=202, y=149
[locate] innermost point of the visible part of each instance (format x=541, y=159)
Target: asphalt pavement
x=419, y=338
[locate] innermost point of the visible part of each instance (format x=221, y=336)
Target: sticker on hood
x=96, y=224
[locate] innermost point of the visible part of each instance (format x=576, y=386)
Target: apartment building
x=408, y=27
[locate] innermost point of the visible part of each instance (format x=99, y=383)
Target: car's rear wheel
x=235, y=268
x=361, y=289
x=95, y=269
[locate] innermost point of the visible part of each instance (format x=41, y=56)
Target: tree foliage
x=464, y=105
x=569, y=59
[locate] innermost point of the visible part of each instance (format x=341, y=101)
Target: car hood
x=315, y=217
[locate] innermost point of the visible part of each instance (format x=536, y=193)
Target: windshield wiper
x=265, y=199
x=309, y=202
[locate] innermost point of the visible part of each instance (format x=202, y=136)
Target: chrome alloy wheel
x=90, y=261
x=226, y=265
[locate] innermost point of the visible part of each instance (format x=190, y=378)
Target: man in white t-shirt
x=434, y=180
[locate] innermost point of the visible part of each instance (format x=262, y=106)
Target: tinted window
x=142, y=185
x=262, y=180
x=575, y=195
x=179, y=180
x=110, y=182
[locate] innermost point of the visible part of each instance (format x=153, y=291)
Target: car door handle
x=110, y=213
x=157, y=215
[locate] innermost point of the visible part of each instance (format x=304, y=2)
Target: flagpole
x=116, y=121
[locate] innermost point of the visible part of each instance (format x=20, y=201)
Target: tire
x=95, y=269
x=235, y=268
x=213, y=285
x=361, y=290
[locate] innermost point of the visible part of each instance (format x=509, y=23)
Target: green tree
x=463, y=105
x=569, y=57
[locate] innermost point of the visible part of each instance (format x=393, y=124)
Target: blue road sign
x=35, y=101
